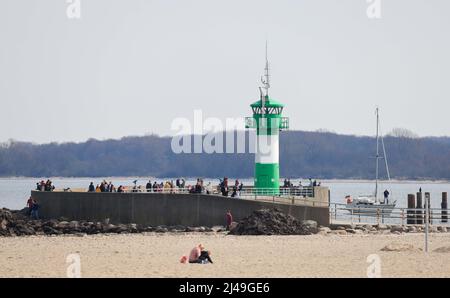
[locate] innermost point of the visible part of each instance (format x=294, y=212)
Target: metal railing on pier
x=288, y=195
x=305, y=192
x=294, y=195
x=344, y=214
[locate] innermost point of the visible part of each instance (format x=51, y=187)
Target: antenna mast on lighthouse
x=266, y=83
x=266, y=79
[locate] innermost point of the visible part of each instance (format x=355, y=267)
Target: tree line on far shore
x=319, y=155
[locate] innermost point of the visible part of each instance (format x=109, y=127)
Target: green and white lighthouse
x=268, y=121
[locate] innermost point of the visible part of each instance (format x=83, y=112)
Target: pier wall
x=155, y=209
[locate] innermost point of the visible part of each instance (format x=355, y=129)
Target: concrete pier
x=155, y=209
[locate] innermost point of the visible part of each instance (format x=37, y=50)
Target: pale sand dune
x=154, y=255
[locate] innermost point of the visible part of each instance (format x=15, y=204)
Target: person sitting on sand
x=195, y=254
x=199, y=255
x=205, y=257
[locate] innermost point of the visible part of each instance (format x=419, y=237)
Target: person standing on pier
x=224, y=187
x=209, y=188
x=234, y=192
x=148, y=187
x=235, y=189
x=386, y=196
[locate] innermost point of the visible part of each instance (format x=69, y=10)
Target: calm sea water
x=14, y=192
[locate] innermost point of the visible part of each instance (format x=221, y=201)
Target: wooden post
x=419, y=213
x=335, y=212
x=444, y=217
x=427, y=219
x=352, y=218
x=428, y=202
x=378, y=216
x=403, y=216
x=411, y=214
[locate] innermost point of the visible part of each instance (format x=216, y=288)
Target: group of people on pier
x=104, y=187
x=170, y=187
x=236, y=189
x=312, y=183
x=45, y=186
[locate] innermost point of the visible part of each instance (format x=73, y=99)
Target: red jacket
x=229, y=219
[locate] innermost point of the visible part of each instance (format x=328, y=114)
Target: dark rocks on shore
x=261, y=222
x=161, y=229
x=384, y=229
x=18, y=223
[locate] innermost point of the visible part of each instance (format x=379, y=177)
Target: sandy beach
x=157, y=255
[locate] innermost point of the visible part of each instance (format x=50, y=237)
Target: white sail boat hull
x=370, y=209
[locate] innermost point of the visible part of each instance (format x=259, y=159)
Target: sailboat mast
x=377, y=157
x=385, y=157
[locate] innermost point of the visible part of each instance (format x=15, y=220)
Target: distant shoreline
x=293, y=180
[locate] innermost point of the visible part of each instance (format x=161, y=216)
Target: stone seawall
x=154, y=209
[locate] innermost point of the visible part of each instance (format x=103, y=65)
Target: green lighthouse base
x=267, y=179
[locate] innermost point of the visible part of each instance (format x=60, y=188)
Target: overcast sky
x=129, y=67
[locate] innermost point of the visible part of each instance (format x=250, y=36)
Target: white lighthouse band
x=267, y=149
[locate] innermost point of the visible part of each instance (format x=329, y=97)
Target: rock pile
x=17, y=223
x=273, y=222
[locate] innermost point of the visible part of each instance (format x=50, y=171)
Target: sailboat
x=370, y=204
